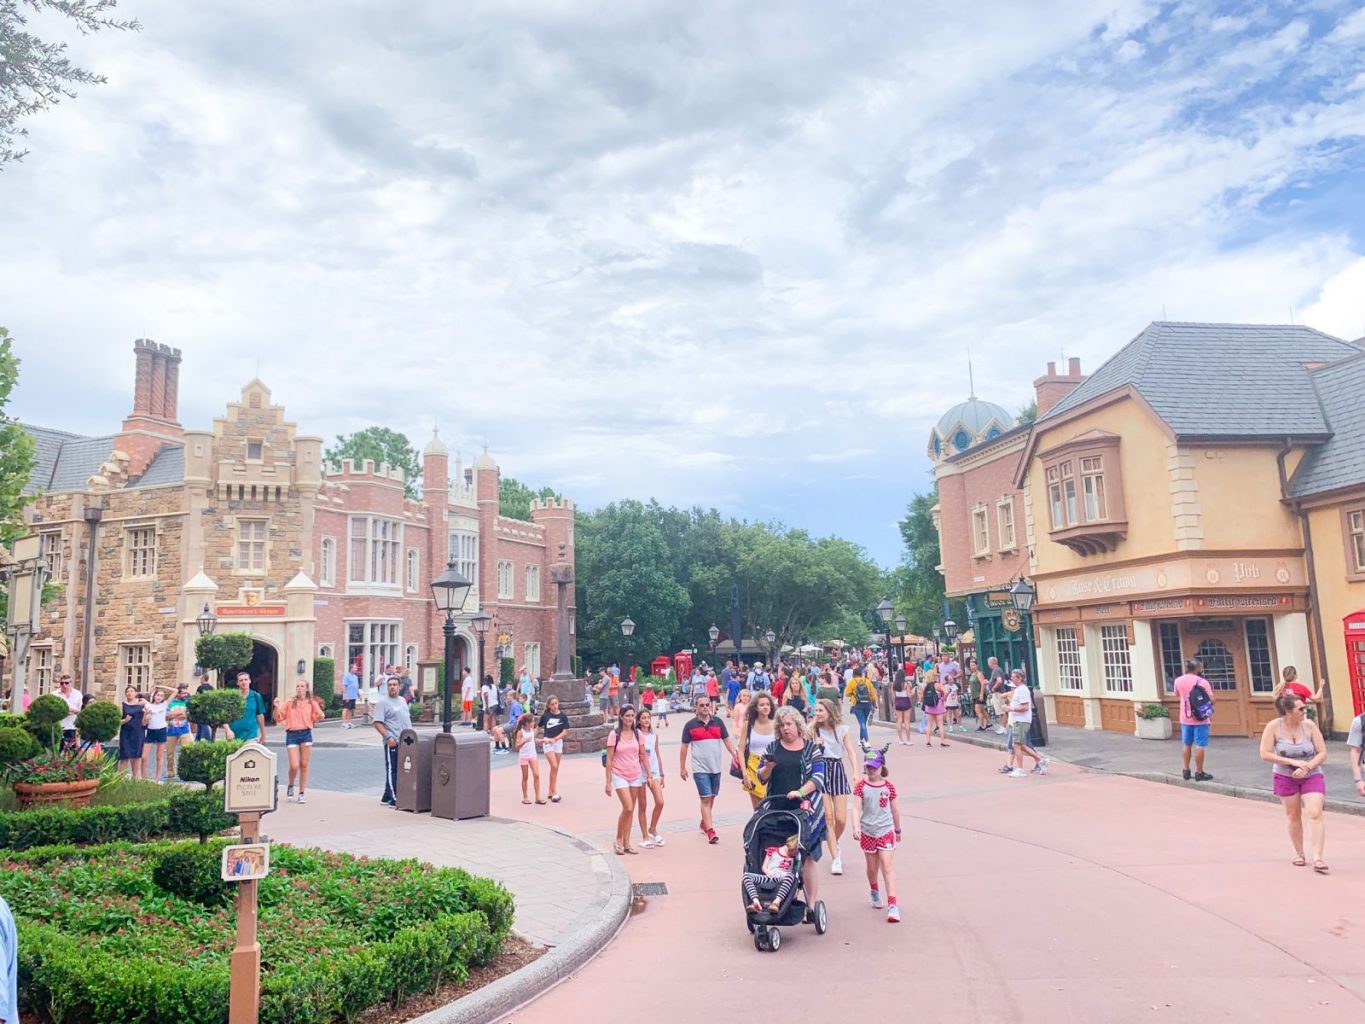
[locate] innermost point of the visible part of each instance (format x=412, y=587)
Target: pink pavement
x=1075, y=897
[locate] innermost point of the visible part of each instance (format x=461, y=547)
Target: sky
x=729, y=255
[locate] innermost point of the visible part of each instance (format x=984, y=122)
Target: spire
x=971, y=379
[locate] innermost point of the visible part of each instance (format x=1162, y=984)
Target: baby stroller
x=772, y=826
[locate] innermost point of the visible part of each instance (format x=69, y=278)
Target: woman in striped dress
x=829, y=730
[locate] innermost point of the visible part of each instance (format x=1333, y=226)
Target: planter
x=41, y=794
x=1153, y=728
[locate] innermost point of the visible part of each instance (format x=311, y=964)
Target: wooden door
x=1225, y=669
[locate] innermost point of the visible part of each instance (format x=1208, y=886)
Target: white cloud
x=1340, y=305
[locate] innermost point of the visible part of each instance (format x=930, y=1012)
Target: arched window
x=962, y=440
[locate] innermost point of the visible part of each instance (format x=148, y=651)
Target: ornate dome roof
x=966, y=424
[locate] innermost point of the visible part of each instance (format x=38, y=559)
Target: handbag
x=735, y=768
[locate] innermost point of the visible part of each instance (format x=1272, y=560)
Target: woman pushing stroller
x=794, y=765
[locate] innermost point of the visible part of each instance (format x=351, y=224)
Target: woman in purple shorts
x=1295, y=749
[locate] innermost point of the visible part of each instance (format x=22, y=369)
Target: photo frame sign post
x=248, y=792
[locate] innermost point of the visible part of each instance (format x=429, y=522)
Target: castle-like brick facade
x=145, y=527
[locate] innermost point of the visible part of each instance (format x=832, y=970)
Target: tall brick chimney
x=154, y=421
x=1052, y=386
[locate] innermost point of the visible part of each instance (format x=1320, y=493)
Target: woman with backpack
x=931, y=697
x=862, y=696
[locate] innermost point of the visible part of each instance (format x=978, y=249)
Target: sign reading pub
x=250, y=782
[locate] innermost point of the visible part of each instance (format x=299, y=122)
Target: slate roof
x=66, y=461
x=1340, y=462
x=1221, y=380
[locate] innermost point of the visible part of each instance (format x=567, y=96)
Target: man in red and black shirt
x=703, y=740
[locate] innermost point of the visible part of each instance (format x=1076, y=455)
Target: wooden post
x=244, y=1002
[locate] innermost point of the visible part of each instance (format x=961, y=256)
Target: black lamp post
x=886, y=611
x=207, y=621
x=627, y=631
x=770, y=638
x=950, y=630
x=1022, y=596
x=714, y=634
x=937, y=633
x=900, y=633
x=480, y=623
x=449, y=590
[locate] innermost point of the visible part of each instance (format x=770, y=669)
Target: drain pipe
x=1318, y=648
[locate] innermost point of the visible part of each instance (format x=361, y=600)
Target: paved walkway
x=1234, y=761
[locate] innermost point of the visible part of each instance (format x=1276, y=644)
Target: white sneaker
x=837, y=867
x=302, y=799
x=893, y=914
x=658, y=840
x=647, y=844
x=289, y=793
x=876, y=899
x=1015, y=773
x=1000, y=730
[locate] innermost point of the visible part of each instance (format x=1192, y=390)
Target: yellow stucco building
x=1162, y=524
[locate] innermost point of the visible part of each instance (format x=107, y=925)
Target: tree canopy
x=18, y=454
x=34, y=73
x=918, y=585
x=382, y=445
x=514, y=498
x=670, y=571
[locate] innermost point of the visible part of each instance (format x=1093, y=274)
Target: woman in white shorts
x=655, y=787
x=627, y=773
x=552, y=724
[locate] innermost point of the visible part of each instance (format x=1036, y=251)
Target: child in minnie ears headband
x=877, y=828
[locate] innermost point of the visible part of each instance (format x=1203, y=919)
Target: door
x=1220, y=652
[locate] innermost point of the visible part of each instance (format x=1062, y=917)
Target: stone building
x=145, y=527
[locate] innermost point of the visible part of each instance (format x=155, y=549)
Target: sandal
x=527, y=802
x=1299, y=861
x=540, y=801
x=1320, y=867
x=619, y=849
x=631, y=849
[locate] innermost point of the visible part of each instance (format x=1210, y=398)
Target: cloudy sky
x=724, y=254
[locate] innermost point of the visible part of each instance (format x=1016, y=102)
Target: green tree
x=223, y=652
x=1027, y=414
x=35, y=74
x=382, y=445
x=18, y=453
x=917, y=583
x=514, y=498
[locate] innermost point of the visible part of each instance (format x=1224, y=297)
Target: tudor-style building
x=144, y=527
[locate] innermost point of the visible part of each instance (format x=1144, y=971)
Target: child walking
x=778, y=866
x=877, y=829
x=527, y=755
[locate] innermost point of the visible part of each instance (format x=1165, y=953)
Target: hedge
x=52, y=826
x=100, y=943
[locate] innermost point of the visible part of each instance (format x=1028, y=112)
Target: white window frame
x=325, y=651
x=1069, y=673
x=1355, y=533
x=413, y=571
x=410, y=659
x=1004, y=522
x=248, y=545
x=135, y=667
x=1093, y=488
x=532, y=584
x=1268, y=680
x=464, y=552
x=531, y=658
x=379, y=644
x=141, y=558
x=375, y=545
x=1116, y=658
x=40, y=661
x=327, y=562
x=981, y=532
x=50, y=543
x=507, y=580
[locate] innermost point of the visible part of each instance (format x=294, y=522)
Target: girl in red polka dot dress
x=877, y=829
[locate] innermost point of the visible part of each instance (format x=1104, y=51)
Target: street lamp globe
x=207, y=621
x=937, y=633
x=886, y=611
x=950, y=629
x=481, y=622
x=770, y=636
x=450, y=589
x=1022, y=594
x=627, y=627
x=901, y=623
x=713, y=633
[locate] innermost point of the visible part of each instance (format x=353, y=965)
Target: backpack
x=864, y=694
x=1201, y=704
x=931, y=698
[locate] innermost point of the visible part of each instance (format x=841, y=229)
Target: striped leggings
x=390, y=774
x=785, y=885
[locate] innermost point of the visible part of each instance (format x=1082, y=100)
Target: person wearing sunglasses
x=1294, y=746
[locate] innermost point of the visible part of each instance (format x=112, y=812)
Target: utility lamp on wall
x=303, y=667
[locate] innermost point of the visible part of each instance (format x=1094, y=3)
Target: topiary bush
x=215, y=708
x=508, y=672
x=324, y=677
x=193, y=873
x=199, y=813
x=16, y=745
x=206, y=763
x=98, y=721
x=50, y=826
x=44, y=717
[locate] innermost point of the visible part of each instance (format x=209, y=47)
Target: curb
x=1218, y=788
x=594, y=930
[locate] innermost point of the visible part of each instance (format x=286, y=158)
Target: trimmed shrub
x=16, y=745
x=324, y=677
x=98, y=721
x=206, y=763
x=199, y=813
x=44, y=716
x=223, y=652
x=508, y=672
x=215, y=708
x=193, y=873
x=51, y=826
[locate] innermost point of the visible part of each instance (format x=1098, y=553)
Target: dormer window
x=962, y=440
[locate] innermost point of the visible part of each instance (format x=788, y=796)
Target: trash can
x=460, y=775
x=414, y=771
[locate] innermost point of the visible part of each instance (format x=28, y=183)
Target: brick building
x=145, y=527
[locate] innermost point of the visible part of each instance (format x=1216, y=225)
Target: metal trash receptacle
x=460, y=775
x=414, y=771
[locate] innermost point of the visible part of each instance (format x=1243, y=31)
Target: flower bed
x=101, y=942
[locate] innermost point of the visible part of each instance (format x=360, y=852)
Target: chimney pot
x=1052, y=369
x=1073, y=366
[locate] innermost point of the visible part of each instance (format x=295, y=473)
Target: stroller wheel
x=761, y=940
x=821, y=918
x=774, y=940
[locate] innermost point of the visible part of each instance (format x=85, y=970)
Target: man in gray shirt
x=391, y=717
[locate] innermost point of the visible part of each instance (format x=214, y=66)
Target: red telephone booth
x=659, y=665
x=1355, y=657
x=682, y=665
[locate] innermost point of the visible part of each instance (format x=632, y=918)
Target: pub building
x=1160, y=524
